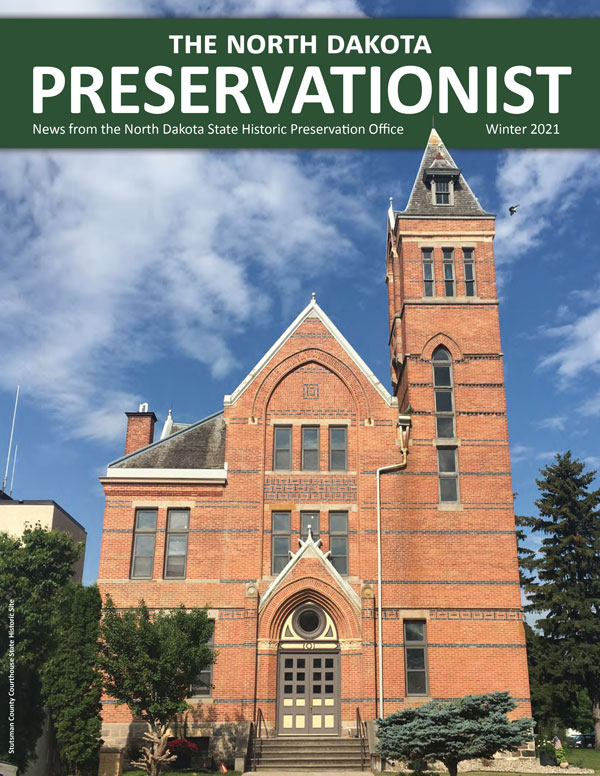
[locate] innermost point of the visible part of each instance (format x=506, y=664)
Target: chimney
x=140, y=429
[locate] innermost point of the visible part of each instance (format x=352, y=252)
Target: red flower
x=177, y=745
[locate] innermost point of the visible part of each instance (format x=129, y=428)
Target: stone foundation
x=111, y=762
x=228, y=743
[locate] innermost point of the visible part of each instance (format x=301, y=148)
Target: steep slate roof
x=420, y=202
x=200, y=445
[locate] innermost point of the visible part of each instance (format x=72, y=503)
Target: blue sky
x=164, y=276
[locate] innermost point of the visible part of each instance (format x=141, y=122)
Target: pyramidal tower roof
x=437, y=164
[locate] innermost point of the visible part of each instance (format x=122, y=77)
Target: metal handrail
x=260, y=723
x=361, y=733
x=257, y=737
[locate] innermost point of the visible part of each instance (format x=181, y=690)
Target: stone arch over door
x=308, y=673
x=296, y=592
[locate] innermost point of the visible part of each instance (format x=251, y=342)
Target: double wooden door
x=308, y=694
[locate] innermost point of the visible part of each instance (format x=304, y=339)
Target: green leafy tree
x=149, y=664
x=471, y=727
x=565, y=588
x=72, y=683
x=34, y=568
x=552, y=698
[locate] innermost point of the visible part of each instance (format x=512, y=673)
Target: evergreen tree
x=72, y=683
x=471, y=727
x=552, y=696
x=566, y=588
x=149, y=664
x=34, y=568
x=525, y=554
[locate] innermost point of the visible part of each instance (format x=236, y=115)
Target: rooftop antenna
x=12, y=431
x=12, y=479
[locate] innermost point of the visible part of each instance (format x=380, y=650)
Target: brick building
x=271, y=511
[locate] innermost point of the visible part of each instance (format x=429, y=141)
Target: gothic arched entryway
x=308, y=674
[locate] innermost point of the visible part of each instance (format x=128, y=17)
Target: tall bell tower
x=446, y=359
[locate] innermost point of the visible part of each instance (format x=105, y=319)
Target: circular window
x=309, y=621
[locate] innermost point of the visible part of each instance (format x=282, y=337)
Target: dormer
x=440, y=189
x=442, y=179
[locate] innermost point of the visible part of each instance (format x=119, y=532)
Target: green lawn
x=586, y=758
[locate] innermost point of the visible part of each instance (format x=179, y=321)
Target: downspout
x=404, y=429
x=256, y=656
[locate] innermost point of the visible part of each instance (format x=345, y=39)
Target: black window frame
x=440, y=183
x=337, y=449
x=276, y=448
x=442, y=391
x=176, y=532
x=416, y=644
x=427, y=261
x=143, y=532
x=469, y=261
x=338, y=536
x=203, y=686
x=305, y=449
x=448, y=262
x=445, y=475
x=277, y=533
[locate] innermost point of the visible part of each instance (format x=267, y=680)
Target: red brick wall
x=140, y=430
x=456, y=568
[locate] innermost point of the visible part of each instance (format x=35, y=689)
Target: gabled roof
x=200, y=445
x=309, y=548
x=437, y=160
x=312, y=310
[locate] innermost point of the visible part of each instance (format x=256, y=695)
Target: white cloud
x=580, y=348
x=547, y=455
x=577, y=352
x=191, y=8
x=547, y=185
x=114, y=258
x=76, y=8
x=495, y=8
x=557, y=423
x=520, y=453
x=592, y=461
x=590, y=295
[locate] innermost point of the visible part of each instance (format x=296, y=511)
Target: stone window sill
x=450, y=506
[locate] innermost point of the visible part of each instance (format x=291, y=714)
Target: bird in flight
x=513, y=209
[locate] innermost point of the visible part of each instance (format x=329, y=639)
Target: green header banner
x=298, y=83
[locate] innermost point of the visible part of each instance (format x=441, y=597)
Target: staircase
x=310, y=753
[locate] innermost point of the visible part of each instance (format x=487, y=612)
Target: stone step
x=290, y=751
x=312, y=738
x=299, y=748
x=311, y=742
x=296, y=745
x=315, y=753
x=314, y=762
x=316, y=769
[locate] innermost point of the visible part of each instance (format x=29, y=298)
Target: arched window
x=443, y=388
x=444, y=393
